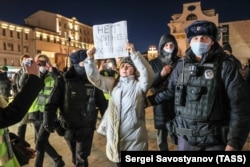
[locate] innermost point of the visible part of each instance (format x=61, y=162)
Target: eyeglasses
x=42, y=63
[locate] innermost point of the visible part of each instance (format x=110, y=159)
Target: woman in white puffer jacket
x=125, y=115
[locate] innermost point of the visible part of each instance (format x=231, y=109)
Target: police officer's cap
x=202, y=27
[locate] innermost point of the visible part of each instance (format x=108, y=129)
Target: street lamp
x=152, y=52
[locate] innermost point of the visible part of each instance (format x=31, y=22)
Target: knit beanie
x=127, y=60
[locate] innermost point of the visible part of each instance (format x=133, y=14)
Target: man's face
x=202, y=38
x=169, y=45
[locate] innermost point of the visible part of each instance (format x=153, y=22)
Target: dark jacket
x=57, y=100
x=21, y=103
x=5, y=85
x=227, y=97
x=164, y=111
x=19, y=80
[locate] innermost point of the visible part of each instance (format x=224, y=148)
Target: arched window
x=191, y=17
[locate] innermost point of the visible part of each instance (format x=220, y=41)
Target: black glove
x=50, y=121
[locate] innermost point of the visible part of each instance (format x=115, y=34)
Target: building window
x=19, y=48
x=26, y=49
x=41, y=37
x=4, y=46
x=4, y=32
x=11, y=33
x=18, y=35
x=26, y=36
x=225, y=34
x=191, y=17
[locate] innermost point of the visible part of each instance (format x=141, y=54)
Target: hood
x=167, y=38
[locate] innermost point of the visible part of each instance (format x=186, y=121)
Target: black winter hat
x=227, y=47
x=202, y=27
x=78, y=56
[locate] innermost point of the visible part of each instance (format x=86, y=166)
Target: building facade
x=57, y=36
x=43, y=32
x=236, y=32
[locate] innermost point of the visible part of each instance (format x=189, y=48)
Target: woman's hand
x=33, y=68
x=91, y=52
x=130, y=48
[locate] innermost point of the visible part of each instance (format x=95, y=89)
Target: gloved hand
x=50, y=121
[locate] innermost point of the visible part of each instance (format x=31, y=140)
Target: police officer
x=35, y=114
x=162, y=66
x=77, y=100
x=206, y=85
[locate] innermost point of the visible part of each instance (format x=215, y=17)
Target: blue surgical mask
x=200, y=47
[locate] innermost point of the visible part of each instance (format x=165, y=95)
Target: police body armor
x=79, y=108
x=198, y=117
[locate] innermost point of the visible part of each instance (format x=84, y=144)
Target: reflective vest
x=107, y=94
x=43, y=97
x=7, y=157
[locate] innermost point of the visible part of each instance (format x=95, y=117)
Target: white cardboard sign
x=110, y=40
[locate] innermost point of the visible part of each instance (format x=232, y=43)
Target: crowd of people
x=199, y=100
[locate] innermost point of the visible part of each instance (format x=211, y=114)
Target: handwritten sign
x=110, y=40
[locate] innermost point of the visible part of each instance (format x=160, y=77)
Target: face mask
x=168, y=50
x=42, y=69
x=200, y=47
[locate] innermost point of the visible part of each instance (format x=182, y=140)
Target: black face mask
x=79, y=70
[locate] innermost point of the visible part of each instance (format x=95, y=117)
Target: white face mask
x=168, y=50
x=42, y=69
x=200, y=47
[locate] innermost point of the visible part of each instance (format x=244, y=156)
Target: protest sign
x=110, y=40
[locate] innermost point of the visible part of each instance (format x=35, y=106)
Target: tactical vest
x=195, y=91
x=43, y=97
x=79, y=108
x=7, y=157
x=195, y=96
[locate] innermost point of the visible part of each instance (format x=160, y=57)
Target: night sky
x=147, y=20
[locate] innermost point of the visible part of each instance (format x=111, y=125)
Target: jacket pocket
x=193, y=93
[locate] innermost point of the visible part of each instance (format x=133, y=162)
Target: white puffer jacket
x=126, y=127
